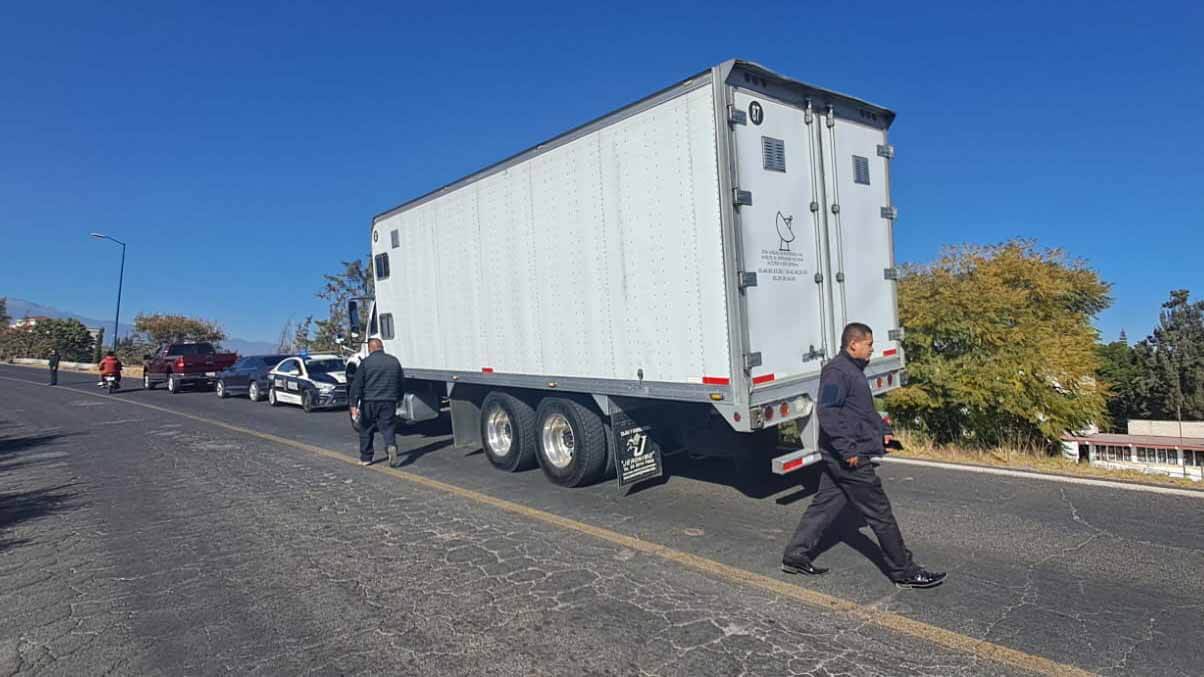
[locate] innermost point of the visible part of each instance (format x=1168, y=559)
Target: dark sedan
x=248, y=376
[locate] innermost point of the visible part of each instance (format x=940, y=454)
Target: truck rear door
x=860, y=222
x=779, y=183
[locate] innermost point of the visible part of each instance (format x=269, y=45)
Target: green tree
x=4, y=316
x=1171, y=361
x=1120, y=371
x=71, y=338
x=1000, y=345
x=355, y=280
x=159, y=329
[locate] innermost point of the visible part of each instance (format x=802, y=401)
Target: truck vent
x=861, y=170
x=396, y=238
x=774, y=153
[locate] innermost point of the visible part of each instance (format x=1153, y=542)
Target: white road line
x=1026, y=474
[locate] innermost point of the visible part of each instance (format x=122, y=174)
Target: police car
x=312, y=381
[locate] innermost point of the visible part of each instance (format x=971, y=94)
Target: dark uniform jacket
x=379, y=378
x=54, y=360
x=848, y=423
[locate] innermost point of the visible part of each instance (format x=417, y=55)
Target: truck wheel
x=571, y=442
x=173, y=385
x=253, y=392
x=272, y=397
x=146, y=382
x=508, y=432
x=220, y=389
x=307, y=401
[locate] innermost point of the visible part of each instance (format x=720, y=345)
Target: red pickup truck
x=181, y=364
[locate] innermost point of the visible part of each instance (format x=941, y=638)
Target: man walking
x=375, y=390
x=54, y=366
x=851, y=432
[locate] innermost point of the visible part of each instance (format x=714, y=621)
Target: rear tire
x=253, y=393
x=571, y=442
x=173, y=385
x=307, y=401
x=508, y=432
x=220, y=389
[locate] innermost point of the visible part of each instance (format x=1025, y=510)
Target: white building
x=1155, y=447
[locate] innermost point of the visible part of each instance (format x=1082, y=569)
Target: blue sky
x=242, y=148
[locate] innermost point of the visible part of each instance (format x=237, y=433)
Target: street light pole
x=120, y=282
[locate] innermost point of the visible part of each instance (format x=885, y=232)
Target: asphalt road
x=137, y=541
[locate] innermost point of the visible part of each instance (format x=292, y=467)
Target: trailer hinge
x=813, y=354
x=735, y=116
x=751, y=360
x=807, y=114
x=742, y=198
x=840, y=277
x=831, y=121
x=896, y=334
x=835, y=208
x=890, y=273
x=819, y=278
x=890, y=213
x=748, y=280
x=814, y=206
x=887, y=151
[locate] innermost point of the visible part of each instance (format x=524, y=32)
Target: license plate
x=211, y=373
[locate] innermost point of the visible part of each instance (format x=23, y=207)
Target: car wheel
x=173, y=385
x=571, y=442
x=307, y=401
x=253, y=391
x=220, y=389
x=146, y=382
x=508, y=432
x=272, y=397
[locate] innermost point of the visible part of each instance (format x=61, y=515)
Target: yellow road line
x=884, y=619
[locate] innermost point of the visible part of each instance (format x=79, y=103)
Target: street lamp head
x=98, y=235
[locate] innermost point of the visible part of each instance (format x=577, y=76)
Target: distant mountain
x=19, y=308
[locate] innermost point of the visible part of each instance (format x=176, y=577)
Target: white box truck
x=669, y=276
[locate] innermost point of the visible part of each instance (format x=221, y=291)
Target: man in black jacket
x=851, y=432
x=54, y=366
x=375, y=390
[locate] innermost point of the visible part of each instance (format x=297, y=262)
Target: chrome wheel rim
x=253, y=391
x=221, y=389
x=499, y=432
x=559, y=443
x=146, y=381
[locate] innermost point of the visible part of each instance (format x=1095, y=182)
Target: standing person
x=54, y=366
x=851, y=432
x=375, y=390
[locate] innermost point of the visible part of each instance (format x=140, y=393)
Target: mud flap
x=634, y=447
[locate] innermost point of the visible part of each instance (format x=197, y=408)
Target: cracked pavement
x=133, y=541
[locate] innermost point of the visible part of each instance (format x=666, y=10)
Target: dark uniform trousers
x=54, y=375
x=840, y=486
x=377, y=416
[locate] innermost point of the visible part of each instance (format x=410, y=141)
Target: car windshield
x=272, y=360
x=325, y=366
x=191, y=349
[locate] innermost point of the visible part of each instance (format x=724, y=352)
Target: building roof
x=1196, y=443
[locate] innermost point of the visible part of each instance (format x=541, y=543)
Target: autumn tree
x=1000, y=345
x=159, y=329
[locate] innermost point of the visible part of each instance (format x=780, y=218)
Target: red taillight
x=784, y=410
x=890, y=379
x=737, y=416
x=768, y=412
x=879, y=381
x=180, y=363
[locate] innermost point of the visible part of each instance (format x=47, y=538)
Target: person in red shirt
x=110, y=366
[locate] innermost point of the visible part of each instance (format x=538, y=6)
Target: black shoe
x=920, y=579
x=392, y=451
x=802, y=566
